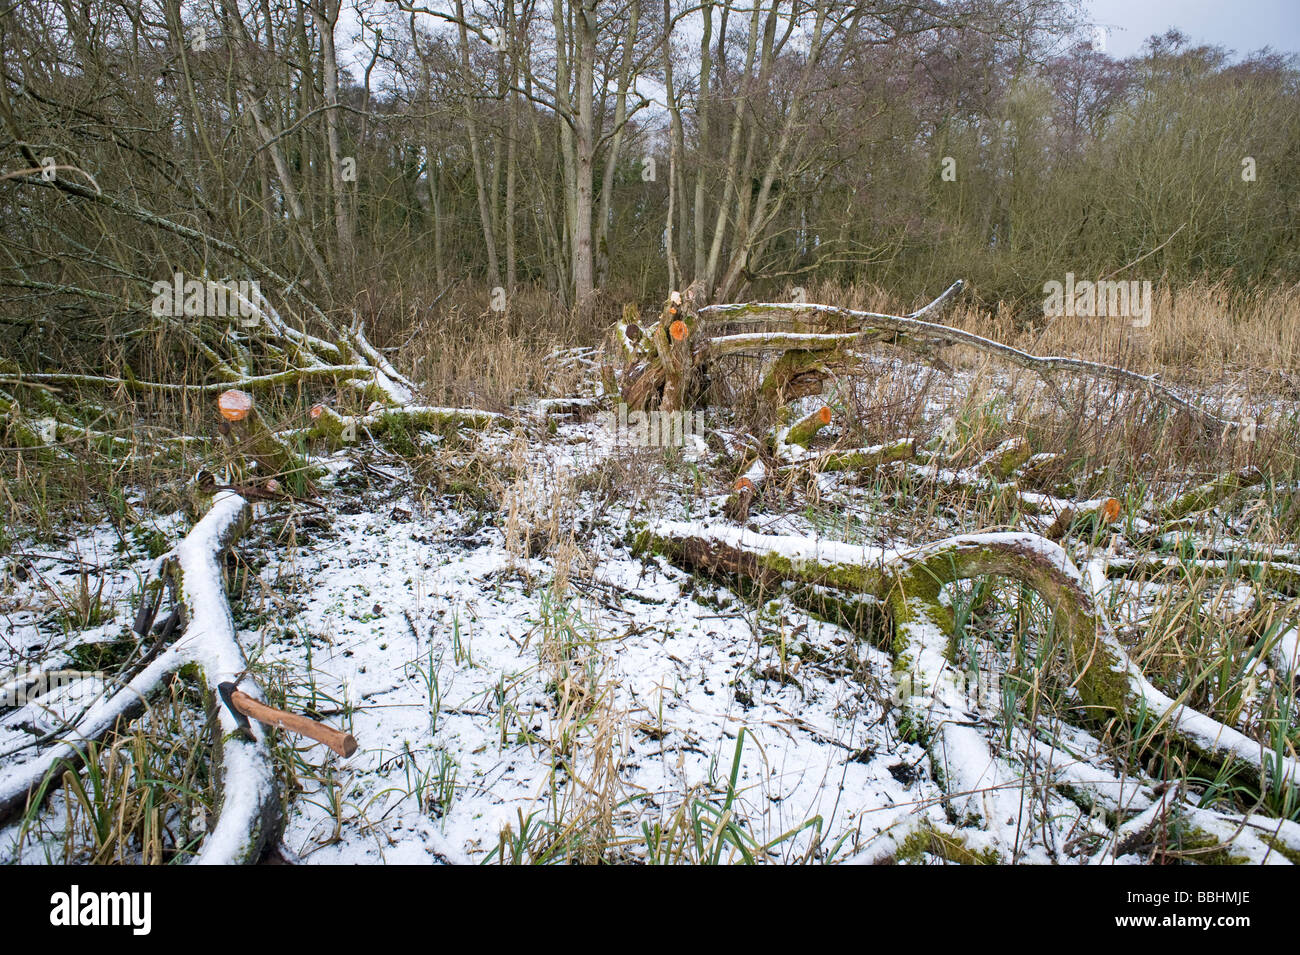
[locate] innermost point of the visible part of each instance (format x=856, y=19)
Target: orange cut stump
x=235, y=405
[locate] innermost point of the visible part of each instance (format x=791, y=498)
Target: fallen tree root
x=1109, y=684
x=249, y=814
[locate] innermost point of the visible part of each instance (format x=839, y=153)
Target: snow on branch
x=249, y=812
x=908, y=582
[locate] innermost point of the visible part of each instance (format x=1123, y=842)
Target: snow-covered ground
x=413, y=626
x=523, y=684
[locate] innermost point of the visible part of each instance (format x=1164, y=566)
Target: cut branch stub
x=744, y=489
x=665, y=361
x=658, y=361
x=803, y=430
x=674, y=352
x=235, y=405
x=252, y=435
x=1086, y=517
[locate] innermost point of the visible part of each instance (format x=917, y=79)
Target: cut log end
x=235, y=405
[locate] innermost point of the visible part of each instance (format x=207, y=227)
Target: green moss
x=106, y=655
x=791, y=365
x=1288, y=853
x=914, y=731
x=153, y=541
x=948, y=846
x=850, y=577
x=1011, y=458
x=1207, y=495
x=1207, y=847
x=868, y=460
x=913, y=849
x=397, y=436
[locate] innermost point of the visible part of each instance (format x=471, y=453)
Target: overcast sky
x=1240, y=25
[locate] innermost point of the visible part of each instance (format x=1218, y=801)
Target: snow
x=442, y=640
x=209, y=639
x=667, y=659
x=19, y=776
x=789, y=546
x=1286, y=653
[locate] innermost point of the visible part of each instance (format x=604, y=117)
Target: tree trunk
x=584, y=157
x=476, y=151
x=326, y=15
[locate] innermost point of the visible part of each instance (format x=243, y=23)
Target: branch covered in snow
x=249, y=791
x=869, y=326
x=908, y=582
x=249, y=813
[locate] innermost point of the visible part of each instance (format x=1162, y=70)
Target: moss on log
x=805, y=429
x=1109, y=684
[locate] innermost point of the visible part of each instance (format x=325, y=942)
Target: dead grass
x=144, y=796
x=1198, y=333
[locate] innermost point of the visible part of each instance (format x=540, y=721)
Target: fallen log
x=1207, y=495
x=337, y=429
x=875, y=326
x=1281, y=576
x=1109, y=684
x=858, y=459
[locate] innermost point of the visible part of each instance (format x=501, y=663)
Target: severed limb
x=1110, y=686
x=338, y=429
x=874, y=326
x=1207, y=495
x=859, y=459
x=805, y=429
x=1279, y=575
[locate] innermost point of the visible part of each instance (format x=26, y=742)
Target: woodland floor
x=524, y=685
